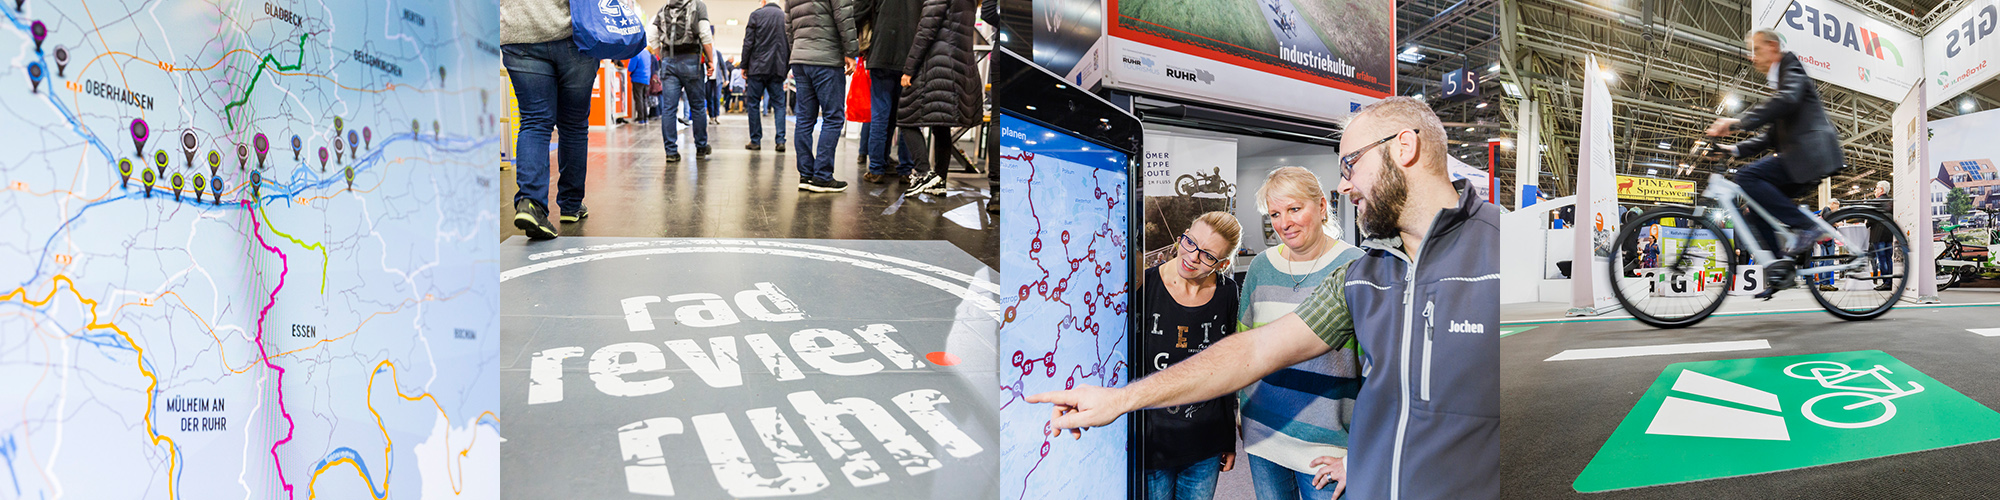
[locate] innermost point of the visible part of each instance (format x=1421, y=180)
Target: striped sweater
x=1301, y=412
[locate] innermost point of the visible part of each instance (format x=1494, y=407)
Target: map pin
x=256, y=181
x=62, y=60
x=350, y=177
x=18, y=3
x=367, y=138
x=139, y=136
x=214, y=162
x=296, y=147
x=35, y=78
x=125, y=172
x=263, y=145
x=177, y=186
x=147, y=179
x=188, y=146
x=322, y=158
x=437, y=131
x=40, y=31
x=215, y=186
x=482, y=101
x=242, y=156
x=354, y=143
x=200, y=185
x=415, y=129
x=336, y=151
x=337, y=125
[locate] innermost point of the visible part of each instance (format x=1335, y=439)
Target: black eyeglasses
x=1347, y=160
x=1201, y=256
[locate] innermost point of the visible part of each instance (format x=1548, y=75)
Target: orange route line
x=173, y=450
x=457, y=484
x=219, y=59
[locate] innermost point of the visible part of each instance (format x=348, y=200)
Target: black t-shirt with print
x=1185, y=434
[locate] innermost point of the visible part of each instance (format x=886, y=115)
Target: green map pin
x=1716, y=419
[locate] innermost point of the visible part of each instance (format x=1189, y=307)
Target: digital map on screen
x=249, y=249
x=1064, y=274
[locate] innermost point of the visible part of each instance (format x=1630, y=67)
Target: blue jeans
x=1275, y=482
x=681, y=76
x=1765, y=182
x=757, y=92
x=885, y=90
x=1194, y=481
x=714, y=96
x=823, y=94
x=552, y=81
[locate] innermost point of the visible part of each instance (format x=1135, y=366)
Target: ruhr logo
x=1716, y=419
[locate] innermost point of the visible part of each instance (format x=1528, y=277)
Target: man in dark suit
x=1795, y=127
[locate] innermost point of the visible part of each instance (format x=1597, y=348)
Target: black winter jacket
x=1805, y=141
x=944, y=86
x=767, y=46
x=895, y=28
x=822, y=31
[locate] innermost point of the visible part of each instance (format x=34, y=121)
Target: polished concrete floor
x=632, y=191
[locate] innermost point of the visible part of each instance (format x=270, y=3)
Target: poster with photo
x=1186, y=176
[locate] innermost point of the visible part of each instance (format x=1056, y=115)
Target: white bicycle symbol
x=1833, y=374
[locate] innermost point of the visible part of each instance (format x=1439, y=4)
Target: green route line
x=253, y=86
x=323, y=259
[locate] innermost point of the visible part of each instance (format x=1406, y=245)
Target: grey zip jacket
x=1426, y=423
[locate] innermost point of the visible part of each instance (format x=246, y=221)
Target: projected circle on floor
x=1716, y=419
x=706, y=368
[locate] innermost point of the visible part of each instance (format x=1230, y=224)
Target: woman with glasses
x=1298, y=414
x=1190, y=303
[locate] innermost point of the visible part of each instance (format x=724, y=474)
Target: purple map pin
x=322, y=158
x=263, y=145
x=367, y=138
x=40, y=31
x=139, y=131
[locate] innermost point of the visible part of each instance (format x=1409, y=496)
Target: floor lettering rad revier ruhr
x=716, y=368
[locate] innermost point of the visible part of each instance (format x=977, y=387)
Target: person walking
x=824, y=44
x=895, y=28
x=718, y=72
x=767, y=54
x=641, y=69
x=552, y=81
x=942, y=88
x=1286, y=424
x=681, y=35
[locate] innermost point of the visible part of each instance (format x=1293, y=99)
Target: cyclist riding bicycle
x=1806, y=145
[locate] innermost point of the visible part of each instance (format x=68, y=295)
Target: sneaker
x=531, y=218
x=937, y=190
x=873, y=178
x=751, y=146
x=673, y=157
x=822, y=186
x=572, y=216
x=781, y=145
x=923, y=184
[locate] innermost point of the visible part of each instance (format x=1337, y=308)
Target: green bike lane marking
x=1504, y=332
x=259, y=74
x=1716, y=419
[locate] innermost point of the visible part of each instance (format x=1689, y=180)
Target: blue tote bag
x=607, y=29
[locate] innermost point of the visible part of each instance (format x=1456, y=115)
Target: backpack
x=677, y=20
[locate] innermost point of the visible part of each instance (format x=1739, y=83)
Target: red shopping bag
x=857, y=93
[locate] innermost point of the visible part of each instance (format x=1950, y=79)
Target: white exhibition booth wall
x=1839, y=45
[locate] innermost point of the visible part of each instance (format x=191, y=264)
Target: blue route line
x=7, y=448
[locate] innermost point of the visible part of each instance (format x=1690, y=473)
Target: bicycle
x=1696, y=264
x=1959, y=262
x=1833, y=378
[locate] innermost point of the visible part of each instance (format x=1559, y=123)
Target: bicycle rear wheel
x=1680, y=279
x=1860, y=293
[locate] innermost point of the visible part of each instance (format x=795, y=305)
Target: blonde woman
x=1300, y=413
x=1190, y=303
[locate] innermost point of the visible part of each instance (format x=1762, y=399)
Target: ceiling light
x=1481, y=106
x=1512, y=89
x=1609, y=76
x=1665, y=145
x=1652, y=171
x=1494, y=69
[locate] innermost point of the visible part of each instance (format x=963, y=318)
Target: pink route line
x=284, y=267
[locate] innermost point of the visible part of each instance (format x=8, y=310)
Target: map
x=1064, y=273
x=250, y=249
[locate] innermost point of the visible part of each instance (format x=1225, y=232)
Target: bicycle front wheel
x=1879, y=269
x=1671, y=268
